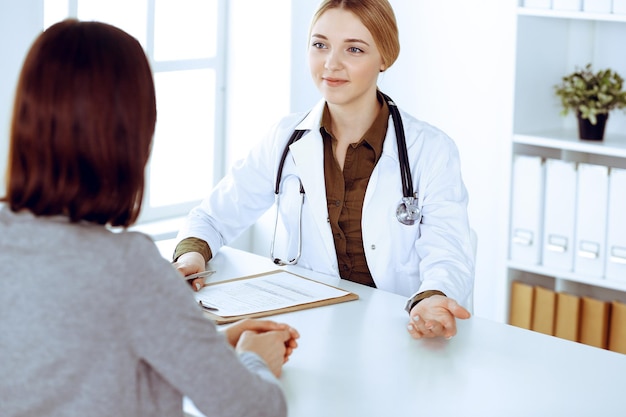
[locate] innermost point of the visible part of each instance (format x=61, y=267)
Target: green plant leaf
x=588, y=93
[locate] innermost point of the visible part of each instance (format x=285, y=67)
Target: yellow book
x=567, y=316
x=521, y=310
x=594, y=322
x=617, y=329
x=544, y=309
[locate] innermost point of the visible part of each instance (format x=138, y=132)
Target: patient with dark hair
x=76, y=335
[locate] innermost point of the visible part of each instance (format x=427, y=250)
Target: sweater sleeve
x=257, y=365
x=171, y=334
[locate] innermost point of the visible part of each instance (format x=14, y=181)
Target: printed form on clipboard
x=266, y=294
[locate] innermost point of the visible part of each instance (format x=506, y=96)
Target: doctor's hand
x=435, y=316
x=190, y=263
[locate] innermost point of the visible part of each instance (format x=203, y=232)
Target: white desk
x=357, y=359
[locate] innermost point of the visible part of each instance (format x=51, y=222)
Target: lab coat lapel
x=308, y=155
x=385, y=165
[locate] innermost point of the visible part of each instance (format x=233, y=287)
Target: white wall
x=304, y=94
x=455, y=71
x=258, y=83
x=258, y=71
x=20, y=23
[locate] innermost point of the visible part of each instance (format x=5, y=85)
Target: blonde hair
x=377, y=16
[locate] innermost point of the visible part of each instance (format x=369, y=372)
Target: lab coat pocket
x=395, y=262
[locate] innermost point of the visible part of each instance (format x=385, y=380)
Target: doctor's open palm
x=435, y=316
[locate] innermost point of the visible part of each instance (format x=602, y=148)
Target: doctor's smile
x=334, y=82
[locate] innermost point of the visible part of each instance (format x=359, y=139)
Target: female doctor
x=362, y=190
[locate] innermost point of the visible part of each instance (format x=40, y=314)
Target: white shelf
x=549, y=44
x=569, y=276
x=579, y=15
x=612, y=145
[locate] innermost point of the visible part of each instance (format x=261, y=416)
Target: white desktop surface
x=357, y=359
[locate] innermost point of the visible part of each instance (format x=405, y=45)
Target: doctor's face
x=343, y=58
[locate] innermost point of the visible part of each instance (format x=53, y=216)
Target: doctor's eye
x=319, y=45
x=355, y=50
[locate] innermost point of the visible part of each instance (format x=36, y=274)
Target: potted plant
x=591, y=96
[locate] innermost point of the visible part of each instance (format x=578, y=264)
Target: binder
x=527, y=209
x=567, y=318
x=521, y=310
x=569, y=5
x=597, y=6
x=616, y=226
x=591, y=218
x=617, y=329
x=559, y=214
x=538, y=4
x=619, y=6
x=544, y=309
x=594, y=322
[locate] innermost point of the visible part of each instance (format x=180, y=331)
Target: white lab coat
x=434, y=255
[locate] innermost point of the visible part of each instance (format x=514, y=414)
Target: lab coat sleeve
x=436, y=254
x=444, y=246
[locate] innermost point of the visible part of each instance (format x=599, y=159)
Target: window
x=212, y=105
x=185, y=42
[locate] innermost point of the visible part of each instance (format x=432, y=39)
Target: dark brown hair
x=377, y=16
x=82, y=126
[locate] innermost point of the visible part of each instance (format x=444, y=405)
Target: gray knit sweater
x=95, y=323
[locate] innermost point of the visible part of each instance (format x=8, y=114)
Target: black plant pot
x=588, y=131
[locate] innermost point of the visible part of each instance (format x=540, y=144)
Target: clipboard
x=214, y=314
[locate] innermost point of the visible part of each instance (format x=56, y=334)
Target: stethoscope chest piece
x=408, y=212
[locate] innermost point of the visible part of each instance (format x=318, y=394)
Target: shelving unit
x=551, y=44
x=578, y=15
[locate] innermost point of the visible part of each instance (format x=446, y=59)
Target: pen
x=207, y=307
x=199, y=275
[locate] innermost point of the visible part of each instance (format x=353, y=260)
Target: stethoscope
x=407, y=212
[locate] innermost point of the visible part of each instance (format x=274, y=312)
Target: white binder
x=526, y=209
x=591, y=217
x=597, y=6
x=616, y=226
x=559, y=214
x=571, y=5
